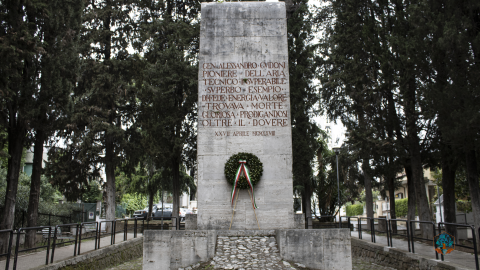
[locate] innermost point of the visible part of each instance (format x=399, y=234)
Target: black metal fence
x=52, y=236
x=410, y=232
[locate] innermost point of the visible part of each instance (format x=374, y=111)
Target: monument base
x=316, y=249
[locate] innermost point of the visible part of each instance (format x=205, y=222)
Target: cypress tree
x=20, y=50
x=303, y=98
x=168, y=86
x=60, y=29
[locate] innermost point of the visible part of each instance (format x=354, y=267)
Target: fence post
x=412, y=235
x=9, y=250
x=125, y=230
x=135, y=229
x=408, y=236
x=15, y=257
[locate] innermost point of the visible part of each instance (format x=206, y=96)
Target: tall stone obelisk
x=244, y=106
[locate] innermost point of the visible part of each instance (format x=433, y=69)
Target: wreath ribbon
x=246, y=172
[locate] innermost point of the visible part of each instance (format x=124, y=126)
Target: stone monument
x=244, y=106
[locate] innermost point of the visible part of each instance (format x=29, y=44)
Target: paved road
x=457, y=257
x=32, y=260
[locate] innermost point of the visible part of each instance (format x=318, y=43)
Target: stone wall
x=101, y=258
x=394, y=258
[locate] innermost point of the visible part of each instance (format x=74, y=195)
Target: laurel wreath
x=253, y=164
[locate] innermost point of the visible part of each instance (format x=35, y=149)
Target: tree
x=58, y=66
x=168, y=86
x=303, y=98
x=20, y=50
x=101, y=131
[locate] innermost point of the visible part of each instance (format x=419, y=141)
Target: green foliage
x=354, y=210
x=464, y=206
x=303, y=97
x=93, y=193
x=401, y=207
x=134, y=201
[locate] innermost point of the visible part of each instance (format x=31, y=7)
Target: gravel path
x=357, y=265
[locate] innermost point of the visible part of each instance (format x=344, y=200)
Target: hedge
x=354, y=210
x=401, y=207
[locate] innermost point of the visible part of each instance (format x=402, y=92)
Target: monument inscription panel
x=244, y=106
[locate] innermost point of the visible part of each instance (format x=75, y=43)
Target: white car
x=183, y=212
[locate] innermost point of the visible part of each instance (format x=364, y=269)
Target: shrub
x=354, y=210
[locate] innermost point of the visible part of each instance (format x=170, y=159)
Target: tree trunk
x=16, y=138
x=176, y=193
x=110, y=174
x=32, y=212
x=391, y=192
x=421, y=193
x=412, y=203
x=368, y=189
x=308, y=208
x=415, y=158
x=448, y=184
x=151, y=194
x=472, y=179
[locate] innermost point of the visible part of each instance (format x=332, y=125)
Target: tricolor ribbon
x=244, y=169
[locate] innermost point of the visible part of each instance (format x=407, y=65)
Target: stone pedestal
x=316, y=249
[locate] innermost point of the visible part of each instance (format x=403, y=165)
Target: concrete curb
x=398, y=259
x=101, y=258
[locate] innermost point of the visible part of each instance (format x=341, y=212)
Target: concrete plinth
x=316, y=249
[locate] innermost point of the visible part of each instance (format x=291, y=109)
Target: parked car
x=167, y=213
x=143, y=213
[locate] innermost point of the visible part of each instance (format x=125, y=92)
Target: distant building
x=28, y=166
x=382, y=205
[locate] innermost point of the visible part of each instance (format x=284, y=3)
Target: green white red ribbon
x=246, y=172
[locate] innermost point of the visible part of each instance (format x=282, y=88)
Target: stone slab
x=317, y=249
x=244, y=106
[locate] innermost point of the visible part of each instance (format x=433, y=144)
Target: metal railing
x=369, y=221
x=375, y=230
x=9, y=247
x=390, y=227
x=410, y=232
x=413, y=237
x=17, y=251
x=112, y=231
x=97, y=229
x=52, y=235
x=55, y=237
x=442, y=224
